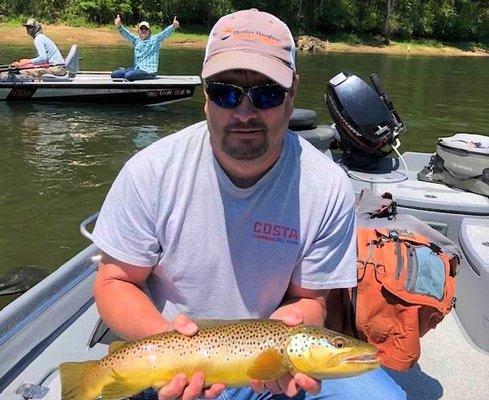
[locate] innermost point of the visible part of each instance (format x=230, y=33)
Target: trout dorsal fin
x=268, y=366
x=116, y=345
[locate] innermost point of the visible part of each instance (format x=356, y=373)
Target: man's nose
x=245, y=110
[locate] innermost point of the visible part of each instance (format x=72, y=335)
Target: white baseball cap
x=143, y=23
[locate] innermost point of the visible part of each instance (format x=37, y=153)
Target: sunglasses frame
x=143, y=28
x=246, y=91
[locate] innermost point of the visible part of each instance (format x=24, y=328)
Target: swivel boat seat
x=365, y=118
x=72, y=65
x=303, y=122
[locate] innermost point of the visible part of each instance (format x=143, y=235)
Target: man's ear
x=295, y=84
x=291, y=94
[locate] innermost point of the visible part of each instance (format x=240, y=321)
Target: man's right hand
x=21, y=63
x=117, y=21
x=180, y=386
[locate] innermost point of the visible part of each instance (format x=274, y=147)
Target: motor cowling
x=363, y=115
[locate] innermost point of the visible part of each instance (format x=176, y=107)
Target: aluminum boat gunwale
x=100, y=88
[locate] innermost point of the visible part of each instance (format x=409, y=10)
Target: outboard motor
x=365, y=118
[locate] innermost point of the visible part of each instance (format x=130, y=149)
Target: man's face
x=143, y=32
x=30, y=30
x=248, y=133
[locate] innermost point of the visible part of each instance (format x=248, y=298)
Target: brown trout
x=229, y=352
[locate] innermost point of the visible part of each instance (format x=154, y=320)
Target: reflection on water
x=58, y=161
x=145, y=135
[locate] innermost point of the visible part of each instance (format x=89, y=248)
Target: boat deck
x=450, y=366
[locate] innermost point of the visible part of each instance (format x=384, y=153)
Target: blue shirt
x=47, y=52
x=146, y=52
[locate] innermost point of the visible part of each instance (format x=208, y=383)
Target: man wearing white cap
x=233, y=217
x=146, y=50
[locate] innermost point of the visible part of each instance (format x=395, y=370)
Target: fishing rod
x=10, y=68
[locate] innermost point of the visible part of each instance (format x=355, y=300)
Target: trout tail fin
x=73, y=384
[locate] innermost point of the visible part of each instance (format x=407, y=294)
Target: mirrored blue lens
x=267, y=96
x=226, y=96
x=262, y=97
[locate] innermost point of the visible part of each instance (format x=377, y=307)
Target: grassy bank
x=63, y=35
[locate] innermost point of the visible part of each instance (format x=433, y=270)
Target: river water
x=57, y=161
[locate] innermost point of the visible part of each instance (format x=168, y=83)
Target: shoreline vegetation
x=64, y=36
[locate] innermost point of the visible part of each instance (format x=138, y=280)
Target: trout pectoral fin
x=269, y=365
x=116, y=345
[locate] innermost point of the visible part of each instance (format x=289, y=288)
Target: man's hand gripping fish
x=228, y=352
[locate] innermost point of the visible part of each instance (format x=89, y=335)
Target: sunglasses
x=143, y=28
x=263, y=97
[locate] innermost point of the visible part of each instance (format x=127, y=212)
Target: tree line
x=448, y=20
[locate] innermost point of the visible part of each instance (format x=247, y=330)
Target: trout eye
x=339, y=342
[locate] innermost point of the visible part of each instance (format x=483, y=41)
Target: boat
x=90, y=87
x=57, y=320
x=98, y=87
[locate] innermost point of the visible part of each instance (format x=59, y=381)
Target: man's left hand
x=289, y=384
x=175, y=23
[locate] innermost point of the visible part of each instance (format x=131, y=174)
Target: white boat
x=57, y=321
x=98, y=87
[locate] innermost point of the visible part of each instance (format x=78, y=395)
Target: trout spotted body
x=229, y=352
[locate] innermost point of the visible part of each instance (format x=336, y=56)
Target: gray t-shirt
x=220, y=251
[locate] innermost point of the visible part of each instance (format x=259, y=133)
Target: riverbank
x=65, y=35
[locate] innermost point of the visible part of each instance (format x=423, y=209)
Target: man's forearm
x=127, y=310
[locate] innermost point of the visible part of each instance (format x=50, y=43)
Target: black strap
x=353, y=312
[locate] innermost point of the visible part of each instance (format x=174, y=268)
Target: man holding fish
x=232, y=218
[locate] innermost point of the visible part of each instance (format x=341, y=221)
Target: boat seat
x=72, y=65
x=303, y=123
x=56, y=78
x=102, y=334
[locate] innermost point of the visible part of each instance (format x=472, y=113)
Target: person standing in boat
x=146, y=50
x=49, y=59
x=234, y=217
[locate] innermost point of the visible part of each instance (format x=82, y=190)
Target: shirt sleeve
x=164, y=33
x=42, y=56
x=126, y=34
x=125, y=228
x=330, y=260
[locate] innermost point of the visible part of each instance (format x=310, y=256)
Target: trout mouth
x=363, y=359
